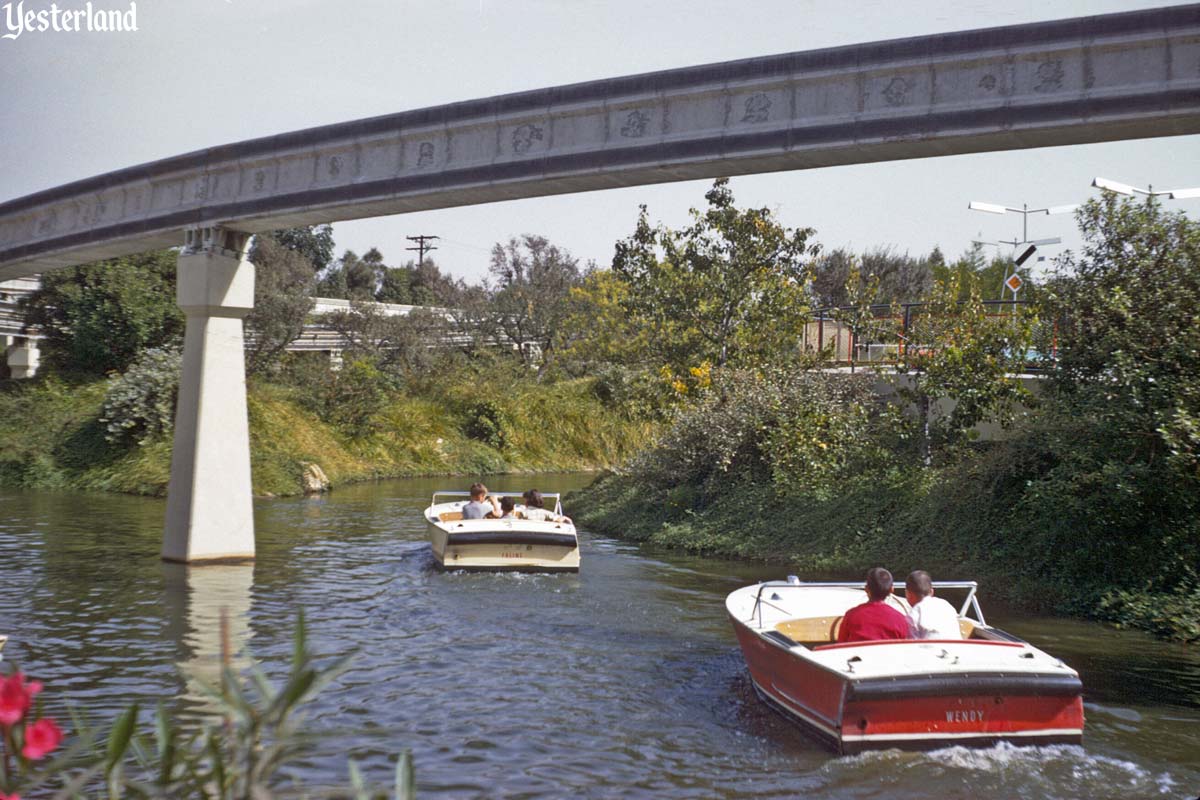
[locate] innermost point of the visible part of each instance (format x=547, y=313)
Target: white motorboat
x=512, y=544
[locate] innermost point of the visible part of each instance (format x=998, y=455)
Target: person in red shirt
x=874, y=619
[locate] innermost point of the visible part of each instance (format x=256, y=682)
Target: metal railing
x=556, y=496
x=892, y=334
x=971, y=603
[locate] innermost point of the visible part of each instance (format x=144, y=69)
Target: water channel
x=622, y=681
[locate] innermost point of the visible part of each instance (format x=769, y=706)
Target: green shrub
x=637, y=393
x=350, y=398
x=140, y=404
x=487, y=423
x=795, y=430
x=1174, y=615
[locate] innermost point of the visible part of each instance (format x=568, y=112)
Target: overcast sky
x=199, y=73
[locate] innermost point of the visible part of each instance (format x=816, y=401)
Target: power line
x=466, y=245
x=421, y=247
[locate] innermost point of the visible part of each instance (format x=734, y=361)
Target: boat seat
x=966, y=627
x=810, y=629
x=450, y=516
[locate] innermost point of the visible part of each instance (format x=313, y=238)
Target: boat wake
x=1053, y=771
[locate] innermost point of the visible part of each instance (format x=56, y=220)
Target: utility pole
x=421, y=246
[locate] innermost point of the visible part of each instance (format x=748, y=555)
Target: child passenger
x=507, y=504
x=931, y=617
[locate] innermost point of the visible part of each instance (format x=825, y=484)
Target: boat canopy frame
x=557, y=497
x=971, y=603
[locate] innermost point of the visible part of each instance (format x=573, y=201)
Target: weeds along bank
x=811, y=471
x=54, y=434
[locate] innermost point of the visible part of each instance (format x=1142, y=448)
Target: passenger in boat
x=481, y=505
x=874, y=619
x=507, y=508
x=931, y=617
x=535, y=508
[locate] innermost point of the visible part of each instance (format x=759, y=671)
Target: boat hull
x=504, y=550
x=914, y=712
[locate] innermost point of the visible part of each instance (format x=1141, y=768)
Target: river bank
x=51, y=437
x=959, y=524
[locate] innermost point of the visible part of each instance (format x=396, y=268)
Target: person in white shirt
x=535, y=508
x=929, y=617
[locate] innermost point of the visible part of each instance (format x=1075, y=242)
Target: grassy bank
x=964, y=522
x=51, y=437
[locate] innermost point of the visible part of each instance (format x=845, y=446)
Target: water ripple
x=621, y=681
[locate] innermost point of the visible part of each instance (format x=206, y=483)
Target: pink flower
x=16, y=696
x=40, y=738
x=4, y=796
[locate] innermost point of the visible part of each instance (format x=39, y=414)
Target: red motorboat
x=986, y=687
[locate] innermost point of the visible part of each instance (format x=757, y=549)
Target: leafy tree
x=351, y=277
x=332, y=283
x=1111, y=467
x=361, y=273
x=283, y=285
x=858, y=313
x=396, y=286
x=728, y=289
x=97, y=318
x=900, y=277
x=474, y=321
x=955, y=351
x=1129, y=306
x=432, y=287
x=531, y=283
x=373, y=261
x=314, y=242
x=831, y=271
x=967, y=266
x=599, y=328
x=402, y=347
x=423, y=285
x=989, y=274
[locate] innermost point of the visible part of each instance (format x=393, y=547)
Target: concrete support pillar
x=23, y=357
x=209, y=511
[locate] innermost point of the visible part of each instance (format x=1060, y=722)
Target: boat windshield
x=969, y=609
x=451, y=496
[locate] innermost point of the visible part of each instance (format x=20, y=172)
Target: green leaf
x=300, y=644
x=165, y=738
x=118, y=740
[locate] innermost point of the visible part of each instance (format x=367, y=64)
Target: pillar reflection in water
x=199, y=597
